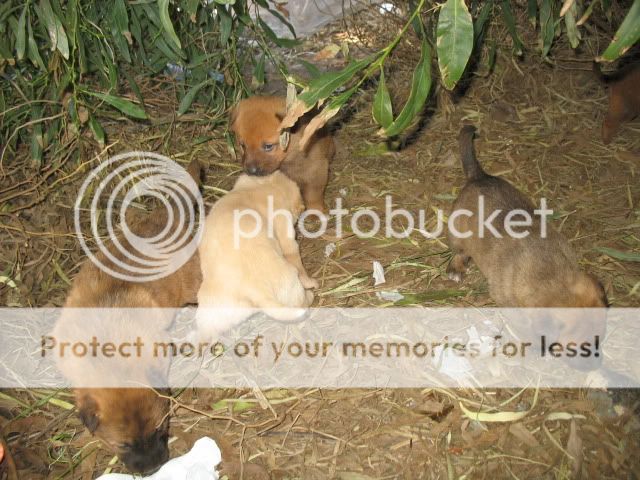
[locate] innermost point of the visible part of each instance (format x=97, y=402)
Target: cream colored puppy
x=249, y=256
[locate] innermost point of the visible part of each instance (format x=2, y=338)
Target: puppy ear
x=88, y=412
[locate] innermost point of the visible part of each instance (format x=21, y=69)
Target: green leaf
x=572, y=29
x=283, y=20
x=382, y=108
x=55, y=29
x=418, y=298
x=321, y=87
x=454, y=41
x=258, y=76
x=187, y=100
x=547, y=26
x=280, y=42
x=532, y=11
x=97, y=130
x=125, y=106
x=478, y=26
x=163, y=8
x=310, y=68
x=37, y=137
x=225, y=2
x=510, y=21
x=236, y=405
x=120, y=16
x=192, y=9
x=618, y=255
x=420, y=86
x=226, y=24
x=21, y=37
x=32, y=50
x=626, y=36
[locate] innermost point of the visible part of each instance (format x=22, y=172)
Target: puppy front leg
x=291, y=252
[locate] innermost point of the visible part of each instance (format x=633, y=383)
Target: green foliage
x=456, y=38
x=626, y=36
x=66, y=64
x=62, y=57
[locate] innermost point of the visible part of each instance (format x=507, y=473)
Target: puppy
x=132, y=421
x=522, y=272
x=246, y=265
x=624, y=98
x=529, y=272
x=256, y=121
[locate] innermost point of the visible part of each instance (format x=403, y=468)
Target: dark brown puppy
x=132, y=421
x=529, y=272
x=624, y=97
x=256, y=121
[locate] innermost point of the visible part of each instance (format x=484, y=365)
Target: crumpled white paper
x=198, y=464
x=378, y=273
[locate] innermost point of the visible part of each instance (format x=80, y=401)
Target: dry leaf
x=330, y=51
x=574, y=448
x=521, y=432
x=316, y=124
x=298, y=109
x=566, y=6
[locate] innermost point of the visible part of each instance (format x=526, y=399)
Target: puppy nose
x=253, y=170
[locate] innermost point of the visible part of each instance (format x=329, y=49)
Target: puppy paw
x=455, y=276
x=308, y=282
x=318, y=207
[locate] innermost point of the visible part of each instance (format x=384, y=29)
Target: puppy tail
x=470, y=165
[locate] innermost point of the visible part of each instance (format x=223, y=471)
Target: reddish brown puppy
x=134, y=422
x=256, y=122
x=624, y=97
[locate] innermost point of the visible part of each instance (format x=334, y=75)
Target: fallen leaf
x=521, y=432
x=330, y=51
x=574, y=448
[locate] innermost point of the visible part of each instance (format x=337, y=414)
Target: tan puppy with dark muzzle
x=624, y=98
x=256, y=122
x=132, y=421
x=529, y=272
x=250, y=258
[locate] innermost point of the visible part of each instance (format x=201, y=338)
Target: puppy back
x=470, y=165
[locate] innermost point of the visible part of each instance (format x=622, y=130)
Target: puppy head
x=255, y=123
x=588, y=292
x=134, y=422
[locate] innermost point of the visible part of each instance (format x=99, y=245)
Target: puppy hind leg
x=616, y=115
x=458, y=267
x=291, y=252
x=313, y=196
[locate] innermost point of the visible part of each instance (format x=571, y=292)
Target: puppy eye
x=267, y=147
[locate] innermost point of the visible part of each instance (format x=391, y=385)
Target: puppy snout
x=254, y=170
x=145, y=459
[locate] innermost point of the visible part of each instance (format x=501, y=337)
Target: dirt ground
x=538, y=127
